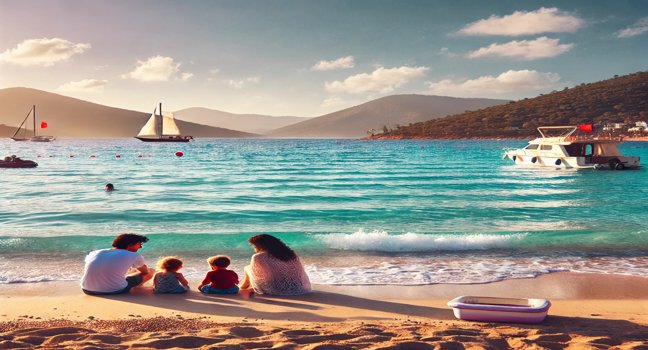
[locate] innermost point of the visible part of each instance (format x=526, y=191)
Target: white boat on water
x=573, y=147
x=161, y=128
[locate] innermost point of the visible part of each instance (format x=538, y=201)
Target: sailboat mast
x=158, y=122
x=34, y=109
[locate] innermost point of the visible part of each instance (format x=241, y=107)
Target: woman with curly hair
x=275, y=269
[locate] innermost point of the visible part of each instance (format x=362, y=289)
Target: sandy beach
x=589, y=311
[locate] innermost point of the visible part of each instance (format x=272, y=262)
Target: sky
x=308, y=58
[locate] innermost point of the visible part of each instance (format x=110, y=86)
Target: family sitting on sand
x=274, y=269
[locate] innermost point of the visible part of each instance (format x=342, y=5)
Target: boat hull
x=165, y=139
x=18, y=164
x=42, y=139
x=535, y=160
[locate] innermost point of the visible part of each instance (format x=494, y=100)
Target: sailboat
x=161, y=128
x=34, y=138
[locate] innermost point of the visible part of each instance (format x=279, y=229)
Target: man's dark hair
x=273, y=246
x=125, y=239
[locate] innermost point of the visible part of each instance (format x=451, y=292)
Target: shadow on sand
x=553, y=333
x=305, y=307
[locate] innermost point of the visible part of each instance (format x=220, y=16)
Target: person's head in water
x=109, y=187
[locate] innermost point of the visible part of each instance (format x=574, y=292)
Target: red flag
x=585, y=127
x=43, y=125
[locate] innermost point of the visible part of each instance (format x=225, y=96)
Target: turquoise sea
x=357, y=212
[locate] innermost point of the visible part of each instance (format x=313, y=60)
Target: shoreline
x=587, y=309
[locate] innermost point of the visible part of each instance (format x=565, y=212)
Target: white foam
x=459, y=270
x=368, y=269
x=415, y=242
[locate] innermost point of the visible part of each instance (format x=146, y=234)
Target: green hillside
x=618, y=99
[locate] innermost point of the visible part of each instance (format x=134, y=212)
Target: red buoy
x=179, y=154
x=93, y=156
x=118, y=156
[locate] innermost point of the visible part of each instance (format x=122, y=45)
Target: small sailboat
x=21, y=133
x=161, y=128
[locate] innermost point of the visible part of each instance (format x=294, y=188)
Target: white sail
x=149, y=128
x=169, y=126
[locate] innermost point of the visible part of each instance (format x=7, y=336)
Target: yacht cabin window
x=546, y=147
x=589, y=150
x=531, y=147
x=579, y=150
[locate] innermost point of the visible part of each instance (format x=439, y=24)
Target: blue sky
x=309, y=58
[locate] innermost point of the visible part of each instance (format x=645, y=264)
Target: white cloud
x=543, y=20
x=239, y=84
x=446, y=52
x=640, y=27
x=42, y=52
x=517, y=82
x=340, y=63
x=85, y=85
x=381, y=80
x=186, y=76
x=156, y=68
x=524, y=49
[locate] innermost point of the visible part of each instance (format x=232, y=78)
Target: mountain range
x=253, y=123
x=70, y=117
x=383, y=113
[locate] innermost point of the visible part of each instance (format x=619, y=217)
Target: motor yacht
x=573, y=147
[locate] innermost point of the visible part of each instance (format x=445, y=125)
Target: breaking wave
x=415, y=242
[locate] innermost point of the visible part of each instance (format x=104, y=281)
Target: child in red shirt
x=219, y=280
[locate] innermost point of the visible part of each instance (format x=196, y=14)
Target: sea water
x=357, y=212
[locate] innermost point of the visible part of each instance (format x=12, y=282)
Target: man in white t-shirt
x=116, y=270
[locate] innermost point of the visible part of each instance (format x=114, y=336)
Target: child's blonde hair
x=169, y=263
x=219, y=261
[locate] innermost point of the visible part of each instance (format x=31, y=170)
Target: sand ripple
x=173, y=333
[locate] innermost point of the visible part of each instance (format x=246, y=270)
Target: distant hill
x=618, y=99
x=6, y=130
x=70, y=117
x=254, y=123
x=385, y=112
